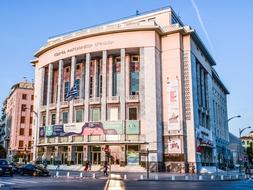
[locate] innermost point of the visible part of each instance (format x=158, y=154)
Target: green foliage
x=2, y=152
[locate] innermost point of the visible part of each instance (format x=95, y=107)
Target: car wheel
x=35, y=173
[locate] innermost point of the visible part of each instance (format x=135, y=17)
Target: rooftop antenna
x=137, y=12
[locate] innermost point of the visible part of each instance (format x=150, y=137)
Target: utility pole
x=147, y=163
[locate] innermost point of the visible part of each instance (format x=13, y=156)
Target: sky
x=224, y=26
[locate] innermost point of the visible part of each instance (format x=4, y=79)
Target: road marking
x=5, y=182
x=23, y=181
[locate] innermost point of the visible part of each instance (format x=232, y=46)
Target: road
x=64, y=183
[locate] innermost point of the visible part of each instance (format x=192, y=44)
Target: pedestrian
x=89, y=164
x=86, y=166
x=58, y=166
x=105, y=169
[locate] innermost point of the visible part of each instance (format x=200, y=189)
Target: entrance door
x=79, y=158
x=64, y=158
x=95, y=157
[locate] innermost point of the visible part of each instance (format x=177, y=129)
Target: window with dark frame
x=24, y=96
x=22, y=120
x=21, y=131
x=132, y=113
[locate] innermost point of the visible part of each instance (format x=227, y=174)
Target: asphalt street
x=39, y=183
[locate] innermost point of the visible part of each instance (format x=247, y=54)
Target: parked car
x=249, y=170
x=6, y=168
x=33, y=170
x=15, y=168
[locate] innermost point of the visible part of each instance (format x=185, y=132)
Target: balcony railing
x=113, y=99
x=64, y=104
x=78, y=102
x=95, y=100
x=52, y=106
x=132, y=98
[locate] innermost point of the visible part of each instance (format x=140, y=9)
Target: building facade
x=19, y=119
x=144, y=89
x=247, y=143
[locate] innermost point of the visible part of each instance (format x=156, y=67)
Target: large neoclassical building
x=141, y=83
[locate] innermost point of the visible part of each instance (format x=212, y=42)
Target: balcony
x=64, y=104
x=95, y=100
x=79, y=102
x=52, y=106
x=132, y=98
x=113, y=99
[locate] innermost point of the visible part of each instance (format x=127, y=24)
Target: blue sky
x=26, y=25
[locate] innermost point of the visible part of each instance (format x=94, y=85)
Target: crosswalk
x=13, y=181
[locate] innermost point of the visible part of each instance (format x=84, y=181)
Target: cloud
x=203, y=26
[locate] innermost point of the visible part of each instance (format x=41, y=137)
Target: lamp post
x=231, y=118
x=240, y=135
x=35, y=134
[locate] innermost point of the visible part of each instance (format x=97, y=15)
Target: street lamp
x=237, y=116
x=35, y=134
x=240, y=135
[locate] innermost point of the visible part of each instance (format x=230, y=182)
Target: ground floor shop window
x=133, y=157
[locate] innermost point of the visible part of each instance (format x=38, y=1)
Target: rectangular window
x=134, y=83
x=53, y=118
x=43, y=120
x=23, y=107
x=132, y=113
x=32, y=97
x=21, y=131
x=23, y=96
x=29, y=144
x=79, y=116
x=65, y=116
x=113, y=114
x=77, y=83
x=31, y=108
x=66, y=89
x=30, y=132
x=20, y=144
x=22, y=119
x=31, y=120
x=95, y=114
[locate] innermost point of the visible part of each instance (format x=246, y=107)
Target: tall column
x=104, y=86
x=85, y=154
x=39, y=92
x=72, y=81
x=70, y=154
x=122, y=85
x=60, y=76
x=82, y=95
x=110, y=63
x=95, y=79
x=49, y=89
x=127, y=75
x=87, y=89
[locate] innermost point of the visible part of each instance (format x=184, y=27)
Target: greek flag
x=72, y=93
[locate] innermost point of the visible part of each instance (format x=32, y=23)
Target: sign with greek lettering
x=132, y=127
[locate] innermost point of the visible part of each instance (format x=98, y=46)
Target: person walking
x=86, y=166
x=105, y=169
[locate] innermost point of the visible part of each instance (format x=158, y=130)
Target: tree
x=2, y=152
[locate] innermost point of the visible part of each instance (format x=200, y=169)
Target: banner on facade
x=113, y=127
x=42, y=132
x=132, y=127
x=173, y=105
x=49, y=130
x=73, y=128
x=174, y=146
x=58, y=130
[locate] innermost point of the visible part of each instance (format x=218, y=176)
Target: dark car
x=15, y=168
x=6, y=168
x=33, y=170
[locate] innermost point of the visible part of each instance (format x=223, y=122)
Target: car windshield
x=4, y=162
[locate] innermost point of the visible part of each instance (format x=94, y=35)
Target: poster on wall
x=42, y=132
x=173, y=105
x=49, y=130
x=132, y=158
x=174, y=146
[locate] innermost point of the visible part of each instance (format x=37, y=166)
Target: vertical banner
x=173, y=105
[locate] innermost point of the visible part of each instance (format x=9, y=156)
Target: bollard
x=125, y=177
x=67, y=174
x=200, y=177
x=173, y=178
x=212, y=177
x=237, y=176
x=222, y=177
x=94, y=175
x=245, y=177
x=156, y=177
x=186, y=177
x=141, y=177
x=57, y=174
x=81, y=175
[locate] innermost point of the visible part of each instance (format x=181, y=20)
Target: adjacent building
x=139, y=87
x=247, y=143
x=19, y=119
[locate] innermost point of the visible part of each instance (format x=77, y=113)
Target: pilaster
x=72, y=81
x=104, y=86
x=87, y=84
